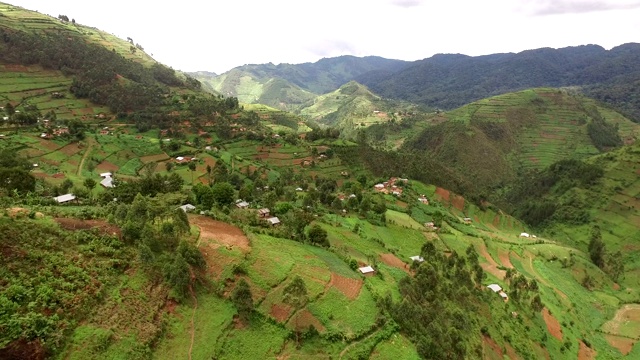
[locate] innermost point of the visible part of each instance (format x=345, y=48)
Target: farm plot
x=624, y=328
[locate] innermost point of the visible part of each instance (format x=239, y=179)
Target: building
x=417, y=258
x=187, y=207
x=62, y=199
x=241, y=204
x=263, y=213
x=524, y=235
x=367, y=270
x=273, y=221
x=107, y=182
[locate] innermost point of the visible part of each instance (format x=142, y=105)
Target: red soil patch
x=24, y=349
x=170, y=306
x=78, y=224
x=222, y=233
x=262, y=156
x=303, y=319
x=553, y=326
x=209, y=161
x=280, y=312
x=16, y=68
x=107, y=166
x=70, y=149
x=625, y=345
x=616, y=286
x=49, y=145
x=458, y=202
x=58, y=176
x=393, y=260
x=496, y=221
x=154, y=158
x=505, y=259
x=493, y=345
x=585, y=352
x=349, y=287
x=492, y=266
x=444, y=194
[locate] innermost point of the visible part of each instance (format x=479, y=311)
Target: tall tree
x=243, y=300
x=597, y=249
x=295, y=294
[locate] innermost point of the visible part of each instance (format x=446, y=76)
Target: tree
x=295, y=295
x=318, y=236
x=223, y=193
x=169, y=166
x=597, y=249
x=192, y=168
x=615, y=265
x=90, y=184
x=177, y=274
x=243, y=300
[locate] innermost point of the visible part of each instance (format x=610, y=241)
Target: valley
x=290, y=212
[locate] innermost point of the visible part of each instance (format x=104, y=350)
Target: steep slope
x=452, y=80
x=493, y=140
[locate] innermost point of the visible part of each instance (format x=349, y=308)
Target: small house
x=417, y=258
x=187, y=207
x=367, y=270
x=107, y=174
x=467, y=220
x=264, y=212
x=495, y=288
x=107, y=182
x=524, y=235
x=62, y=199
x=241, y=204
x=299, y=189
x=273, y=221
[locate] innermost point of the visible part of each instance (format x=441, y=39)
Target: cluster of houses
x=55, y=132
x=263, y=213
x=185, y=159
x=390, y=187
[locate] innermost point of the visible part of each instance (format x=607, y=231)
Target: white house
x=273, y=221
x=187, y=207
x=64, y=198
x=107, y=174
x=417, y=258
x=525, y=235
x=107, y=182
x=366, y=270
x=495, y=288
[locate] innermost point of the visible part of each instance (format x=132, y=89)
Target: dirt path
x=84, y=157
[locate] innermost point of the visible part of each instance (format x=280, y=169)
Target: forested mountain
x=287, y=85
x=448, y=81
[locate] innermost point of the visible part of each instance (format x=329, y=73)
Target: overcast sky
x=221, y=34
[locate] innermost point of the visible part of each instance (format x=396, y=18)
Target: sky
x=218, y=35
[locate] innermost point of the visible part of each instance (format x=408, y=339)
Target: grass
x=397, y=347
x=259, y=340
x=337, y=313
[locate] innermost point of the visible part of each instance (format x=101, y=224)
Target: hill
x=448, y=81
x=287, y=85
x=495, y=140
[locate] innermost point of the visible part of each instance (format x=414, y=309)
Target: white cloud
x=217, y=36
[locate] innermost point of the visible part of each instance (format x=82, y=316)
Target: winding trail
x=84, y=157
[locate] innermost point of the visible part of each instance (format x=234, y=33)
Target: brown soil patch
x=511, y=352
x=402, y=204
x=585, y=352
x=70, y=149
x=458, y=202
x=505, y=259
x=170, y=306
x=444, y=194
x=303, y=319
x=78, y=224
x=393, y=260
x=625, y=345
x=492, y=266
x=24, y=349
x=627, y=313
x=220, y=232
x=106, y=166
x=154, y=158
x=49, y=145
x=349, y=287
x=493, y=345
x=262, y=156
x=553, y=326
x=616, y=286
x=280, y=312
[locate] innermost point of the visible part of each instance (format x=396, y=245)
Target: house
x=379, y=187
x=64, y=198
x=241, y=204
x=107, y=182
x=299, y=189
x=367, y=270
x=187, y=207
x=417, y=258
x=467, y=220
x=423, y=199
x=263, y=213
x=495, y=288
x=273, y=221
x=430, y=225
x=525, y=235
x=503, y=295
x=107, y=174
x=180, y=158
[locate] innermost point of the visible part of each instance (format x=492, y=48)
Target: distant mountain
x=448, y=81
x=492, y=141
x=287, y=85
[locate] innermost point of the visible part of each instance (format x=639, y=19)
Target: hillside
x=495, y=140
x=286, y=86
x=353, y=108
x=449, y=81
